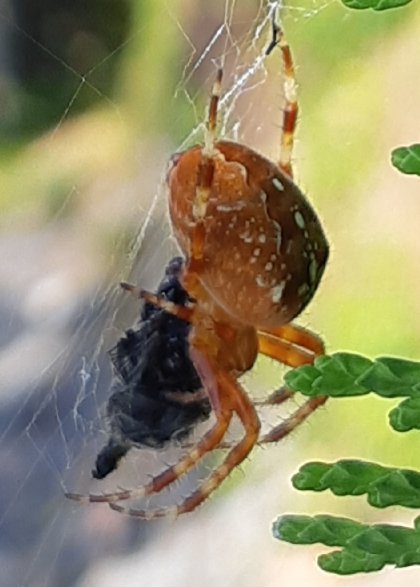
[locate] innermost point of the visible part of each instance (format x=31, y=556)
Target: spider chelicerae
x=254, y=253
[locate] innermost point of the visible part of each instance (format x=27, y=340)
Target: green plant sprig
x=384, y=486
x=347, y=374
x=407, y=159
x=363, y=548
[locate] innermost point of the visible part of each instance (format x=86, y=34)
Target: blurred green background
x=95, y=98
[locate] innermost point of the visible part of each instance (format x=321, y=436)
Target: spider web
x=63, y=309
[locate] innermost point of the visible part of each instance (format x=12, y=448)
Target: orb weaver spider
x=254, y=254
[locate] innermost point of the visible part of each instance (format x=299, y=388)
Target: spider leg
x=296, y=335
x=290, y=111
x=290, y=344
x=182, y=312
x=277, y=397
x=297, y=418
x=232, y=398
x=294, y=346
x=285, y=352
x=210, y=134
x=209, y=442
x=204, y=184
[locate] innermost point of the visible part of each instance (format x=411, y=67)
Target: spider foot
x=171, y=512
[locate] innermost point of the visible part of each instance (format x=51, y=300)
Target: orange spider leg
x=282, y=344
x=208, y=443
x=204, y=182
x=298, y=335
x=297, y=418
x=209, y=137
x=287, y=351
x=284, y=351
x=290, y=111
x=277, y=397
x=231, y=398
x=182, y=312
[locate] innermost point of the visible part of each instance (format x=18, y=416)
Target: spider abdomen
x=264, y=249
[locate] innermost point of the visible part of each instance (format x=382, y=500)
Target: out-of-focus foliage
x=63, y=55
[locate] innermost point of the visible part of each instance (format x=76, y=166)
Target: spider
x=254, y=254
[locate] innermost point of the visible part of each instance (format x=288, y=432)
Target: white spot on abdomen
x=247, y=238
x=231, y=206
x=277, y=292
x=260, y=281
x=299, y=219
x=277, y=184
x=313, y=268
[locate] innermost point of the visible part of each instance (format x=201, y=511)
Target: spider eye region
x=264, y=250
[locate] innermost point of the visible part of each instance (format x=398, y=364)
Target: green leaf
x=302, y=379
x=395, y=487
x=391, y=542
x=333, y=375
x=348, y=562
x=406, y=416
x=364, y=548
x=376, y=5
x=347, y=374
x=407, y=159
x=329, y=530
x=392, y=377
x=384, y=486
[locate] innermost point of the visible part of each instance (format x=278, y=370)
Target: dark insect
x=157, y=395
